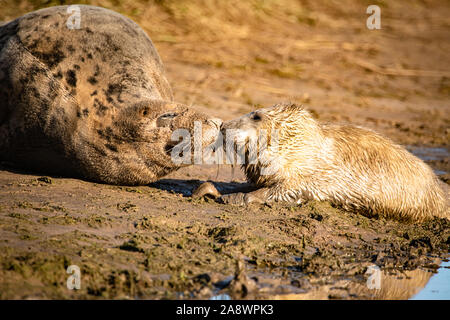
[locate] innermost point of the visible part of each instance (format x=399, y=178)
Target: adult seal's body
x=352, y=167
x=83, y=93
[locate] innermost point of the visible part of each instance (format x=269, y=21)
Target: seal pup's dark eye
x=256, y=117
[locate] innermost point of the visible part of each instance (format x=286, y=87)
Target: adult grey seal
x=83, y=93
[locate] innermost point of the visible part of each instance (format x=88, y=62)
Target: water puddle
x=438, y=287
x=430, y=155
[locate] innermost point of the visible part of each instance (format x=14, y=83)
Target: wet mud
x=159, y=242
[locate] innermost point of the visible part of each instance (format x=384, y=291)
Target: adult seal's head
x=83, y=93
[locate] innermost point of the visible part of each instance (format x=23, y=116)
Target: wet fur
x=352, y=167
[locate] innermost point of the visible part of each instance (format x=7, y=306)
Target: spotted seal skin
x=91, y=102
x=352, y=167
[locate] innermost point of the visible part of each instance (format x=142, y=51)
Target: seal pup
x=352, y=167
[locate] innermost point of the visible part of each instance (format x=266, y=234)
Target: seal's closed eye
x=169, y=115
x=165, y=119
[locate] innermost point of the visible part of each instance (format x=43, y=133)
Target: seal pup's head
x=272, y=141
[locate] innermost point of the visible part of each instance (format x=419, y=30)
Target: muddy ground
x=225, y=59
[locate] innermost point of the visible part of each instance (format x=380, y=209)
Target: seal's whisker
x=217, y=173
x=233, y=167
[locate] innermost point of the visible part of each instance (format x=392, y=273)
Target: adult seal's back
x=83, y=93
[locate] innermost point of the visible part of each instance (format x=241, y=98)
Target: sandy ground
x=227, y=59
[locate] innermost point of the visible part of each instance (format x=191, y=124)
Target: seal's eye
x=170, y=115
x=165, y=120
x=256, y=117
